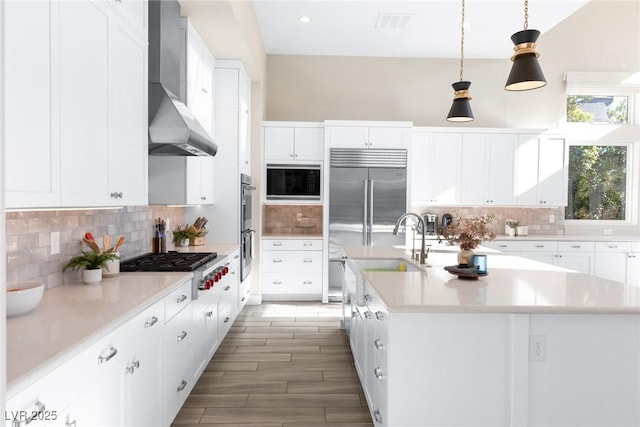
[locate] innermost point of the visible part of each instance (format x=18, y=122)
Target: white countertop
x=557, y=237
x=513, y=285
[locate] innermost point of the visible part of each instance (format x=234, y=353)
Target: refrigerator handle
x=365, y=216
x=370, y=208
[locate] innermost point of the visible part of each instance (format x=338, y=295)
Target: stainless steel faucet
x=423, y=253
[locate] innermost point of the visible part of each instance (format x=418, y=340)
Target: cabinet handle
x=612, y=246
x=379, y=344
x=307, y=282
x=203, y=197
x=227, y=288
x=503, y=246
x=116, y=195
x=378, y=373
x=368, y=315
x=112, y=352
x=226, y=319
x=118, y=1
x=209, y=314
x=236, y=257
x=182, y=385
x=243, y=298
x=133, y=366
x=367, y=298
x=40, y=408
x=307, y=260
x=277, y=243
x=182, y=336
x=203, y=89
x=277, y=282
x=181, y=298
x=576, y=246
x=150, y=323
x=539, y=246
x=277, y=260
x=379, y=315
x=70, y=423
x=307, y=244
x=377, y=416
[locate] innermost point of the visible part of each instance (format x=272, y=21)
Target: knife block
x=197, y=241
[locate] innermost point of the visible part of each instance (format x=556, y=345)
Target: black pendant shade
x=461, y=109
x=526, y=73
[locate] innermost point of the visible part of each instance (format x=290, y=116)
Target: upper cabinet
x=541, y=171
x=365, y=135
x=435, y=167
x=299, y=142
x=95, y=108
x=181, y=180
x=200, y=80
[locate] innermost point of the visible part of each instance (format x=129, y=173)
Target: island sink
x=400, y=265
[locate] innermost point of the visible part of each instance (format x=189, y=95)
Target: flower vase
x=92, y=276
x=465, y=257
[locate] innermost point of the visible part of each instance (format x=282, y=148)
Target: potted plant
x=92, y=263
x=182, y=234
x=469, y=233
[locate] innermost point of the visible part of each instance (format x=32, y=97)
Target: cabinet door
x=128, y=124
x=199, y=189
x=133, y=12
x=381, y=137
x=582, y=262
x=526, y=171
x=32, y=147
x=444, y=183
x=309, y=144
x=200, y=78
x=474, y=184
x=348, y=137
x=244, y=123
x=83, y=106
x=633, y=269
x=278, y=144
x=499, y=178
x=420, y=162
x=552, y=172
x=611, y=265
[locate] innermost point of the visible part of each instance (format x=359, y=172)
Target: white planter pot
x=92, y=276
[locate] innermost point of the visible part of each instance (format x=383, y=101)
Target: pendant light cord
x=462, y=42
x=526, y=14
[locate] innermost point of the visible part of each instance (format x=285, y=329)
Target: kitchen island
x=530, y=344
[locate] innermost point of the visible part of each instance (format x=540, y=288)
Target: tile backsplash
x=291, y=220
x=29, y=237
x=537, y=219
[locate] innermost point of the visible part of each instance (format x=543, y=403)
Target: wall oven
x=294, y=182
x=246, y=230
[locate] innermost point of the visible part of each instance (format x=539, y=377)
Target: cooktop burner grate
x=169, y=261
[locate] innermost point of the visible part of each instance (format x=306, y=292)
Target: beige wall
x=602, y=36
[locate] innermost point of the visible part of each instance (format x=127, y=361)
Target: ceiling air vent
x=393, y=21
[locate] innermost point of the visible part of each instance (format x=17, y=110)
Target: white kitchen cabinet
x=293, y=143
x=205, y=328
x=32, y=147
x=291, y=269
x=435, y=167
x=541, y=171
x=346, y=134
x=133, y=12
x=200, y=80
x=102, y=107
x=181, y=180
x=633, y=265
x=487, y=169
x=611, y=260
x=574, y=255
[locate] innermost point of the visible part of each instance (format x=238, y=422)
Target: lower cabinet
x=291, y=269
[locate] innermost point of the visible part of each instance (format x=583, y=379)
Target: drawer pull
x=379, y=344
x=612, y=246
x=503, y=246
x=368, y=315
x=576, y=246
x=38, y=412
x=377, y=416
x=277, y=282
x=112, y=352
x=236, y=257
x=307, y=282
x=226, y=319
x=182, y=385
x=367, y=298
x=181, y=298
x=379, y=315
x=151, y=322
x=277, y=243
x=378, y=373
x=226, y=288
x=209, y=314
x=182, y=336
x=70, y=423
x=133, y=366
x=243, y=298
x=277, y=260
x=307, y=244
x=307, y=260
x=539, y=246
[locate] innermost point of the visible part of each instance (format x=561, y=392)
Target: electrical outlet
x=55, y=242
x=537, y=348
x=608, y=231
x=552, y=219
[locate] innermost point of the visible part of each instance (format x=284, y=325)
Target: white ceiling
x=347, y=27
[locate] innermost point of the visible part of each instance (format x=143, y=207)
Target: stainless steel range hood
x=173, y=130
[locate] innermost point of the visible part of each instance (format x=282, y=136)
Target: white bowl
x=22, y=297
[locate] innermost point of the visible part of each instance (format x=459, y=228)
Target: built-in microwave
x=294, y=182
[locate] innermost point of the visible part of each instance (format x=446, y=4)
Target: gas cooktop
x=169, y=261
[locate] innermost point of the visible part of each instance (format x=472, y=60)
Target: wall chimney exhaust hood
x=173, y=130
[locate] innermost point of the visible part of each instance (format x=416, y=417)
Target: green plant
x=469, y=232
x=91, y=260
x=182, y=233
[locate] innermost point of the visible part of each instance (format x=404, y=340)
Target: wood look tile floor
x=282, y=364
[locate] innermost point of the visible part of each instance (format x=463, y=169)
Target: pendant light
x=461, y=109
x=526, y=73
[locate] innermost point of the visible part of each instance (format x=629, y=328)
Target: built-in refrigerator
x=367, y=194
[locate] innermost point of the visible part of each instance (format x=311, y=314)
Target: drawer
x=291, y=261
x=176, y=387
x=525, y=246
x=178, y=337
x=177, y=300
x=292, y=245
x=149, y=324
x=576, y=246
x=44, y=399
x=291, y=283
x=613, y=246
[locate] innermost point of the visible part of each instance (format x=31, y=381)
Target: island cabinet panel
x=424, y=368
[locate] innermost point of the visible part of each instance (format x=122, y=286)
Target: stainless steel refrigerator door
x=387, y=202
x=347, y=214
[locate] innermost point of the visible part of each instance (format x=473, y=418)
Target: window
x=598, y=182
x=598, y=109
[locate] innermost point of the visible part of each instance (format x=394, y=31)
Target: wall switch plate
x=552, y=219
x=537, y=348
x=55, y=242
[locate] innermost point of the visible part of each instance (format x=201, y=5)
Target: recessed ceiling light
x=304, y=19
